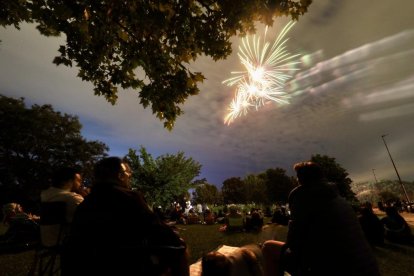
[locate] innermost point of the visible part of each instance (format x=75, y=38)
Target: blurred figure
x=324, y=236
x=255, y=221
x=22, y=227
x=234, y=221
x=209, y=217
x=396, y=227
x=280, y=216
x=114, y=232
x=371, y=225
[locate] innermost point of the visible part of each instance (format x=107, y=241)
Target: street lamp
x=399, y=178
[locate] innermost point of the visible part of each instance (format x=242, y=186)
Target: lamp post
x=375, y=177
x=392, y=161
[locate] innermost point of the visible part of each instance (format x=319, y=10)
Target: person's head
x=67, y=178
x=215, y=264
x=392, y=211
x=233, y=209
x=308, y=173
x=12, y=207
x=113, y=170
x=10, y=210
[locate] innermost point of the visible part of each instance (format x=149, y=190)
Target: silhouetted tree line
x=271, y=186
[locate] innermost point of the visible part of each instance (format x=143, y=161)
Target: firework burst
x=267, y=68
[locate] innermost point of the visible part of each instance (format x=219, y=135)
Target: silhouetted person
x=256, y=220
x=280, y=217
x=324, y=236
x=115, y=233
x=371, y=225
x=396, y=228
x=381, y=206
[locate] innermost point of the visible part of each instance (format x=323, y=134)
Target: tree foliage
x=34, y=141
x=278, y=184
x=270, y=186
x=233, y=190
x=146, y=45
x=381, y=190
x=164, y=178
x=206, y=193
x=255, y=189
x=334, y=173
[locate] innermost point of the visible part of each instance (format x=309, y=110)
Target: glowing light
x=268, y=67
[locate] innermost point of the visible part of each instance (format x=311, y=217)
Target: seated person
x=64, y=182
x=22, y=227
x=209, y=217
x=280, y=217
x=396, y=228
x=114, y=232
x=234, y=220
x=192, y=217
x=324, y=236
x=256, y=220
x=371, y=225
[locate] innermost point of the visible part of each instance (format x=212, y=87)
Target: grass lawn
x=393, y=259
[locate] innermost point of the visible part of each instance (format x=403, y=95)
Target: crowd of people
x=110, y=229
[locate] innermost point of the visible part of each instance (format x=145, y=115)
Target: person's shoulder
x=56, y=194
x=297, y=189
x=48, y=192
x=77, y=197
x=296, y=192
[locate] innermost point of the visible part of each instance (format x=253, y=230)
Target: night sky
x=356, y=83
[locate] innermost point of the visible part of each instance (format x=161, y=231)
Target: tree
x=164, y=178
x=334, y=173
x=206, y=193
x=146, y=45
x=278, y=184
x=34, y=142
x=387, y=196
x=374, y=191
x=233, y=190
x=255, y=189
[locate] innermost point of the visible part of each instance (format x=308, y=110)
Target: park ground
x=393, y=259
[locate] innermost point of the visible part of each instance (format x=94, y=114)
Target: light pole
x=399, y=178
x=375, y=177
x=372, y=186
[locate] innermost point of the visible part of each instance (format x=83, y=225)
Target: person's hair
x=108, y=169
x=308, y=172
x=63, y=175
x=215, y=264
